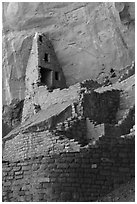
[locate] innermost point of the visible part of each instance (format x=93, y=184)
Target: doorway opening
x=46, y=76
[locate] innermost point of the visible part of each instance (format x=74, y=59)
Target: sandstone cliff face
x=88, y=38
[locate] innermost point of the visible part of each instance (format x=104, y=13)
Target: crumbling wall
x=124, y=125
x=74, y=128
x=74, y=175
x=38, y=140
x=94, y=131
x=41, y=46
x=32, y=72
x=46, y=99
x=51, y=63
x=101, y=107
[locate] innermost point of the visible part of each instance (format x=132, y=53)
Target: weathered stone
x=20, y=176
x=18, y=172
x=45, y=179
x=8, y=183
x=26, y=168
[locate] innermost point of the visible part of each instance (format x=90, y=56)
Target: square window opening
x=40, y=38
x=57, y=76
x=46, y=57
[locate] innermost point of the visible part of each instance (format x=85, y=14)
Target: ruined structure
x=43, y=74
x=71, y=141
x=80, y=147
x=43, y=68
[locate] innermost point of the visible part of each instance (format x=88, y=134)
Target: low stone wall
x=74, y=128
x=77, y=175
x=46, y=99
x=39, y=142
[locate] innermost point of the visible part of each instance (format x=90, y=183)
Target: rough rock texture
x=11, y=116
x=88, y=38
x=78, y=143
x=125, y=193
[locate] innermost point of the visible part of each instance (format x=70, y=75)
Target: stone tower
x=43, y=68
x=43, y=75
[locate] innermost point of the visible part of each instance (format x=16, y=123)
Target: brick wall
x=94, y=131
x=37, y=141
x=74, y=128
x=71, y=176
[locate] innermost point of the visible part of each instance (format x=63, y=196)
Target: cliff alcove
x=68, y=100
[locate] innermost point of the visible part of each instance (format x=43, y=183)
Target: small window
x=57, y=76
x=46, y=58
x=40, y=38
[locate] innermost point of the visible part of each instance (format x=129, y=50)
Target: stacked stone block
x=74, y=128
x=71, y=176
x=29, y=145
x=36, y=141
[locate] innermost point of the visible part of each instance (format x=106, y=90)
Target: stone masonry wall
x=35, y=141
x=101, y=107
x=123, y=127
x=81, y=175
x=45, y=99
x=74, y=128
x=45, y=47
x=32, y=73
x=94, y=131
